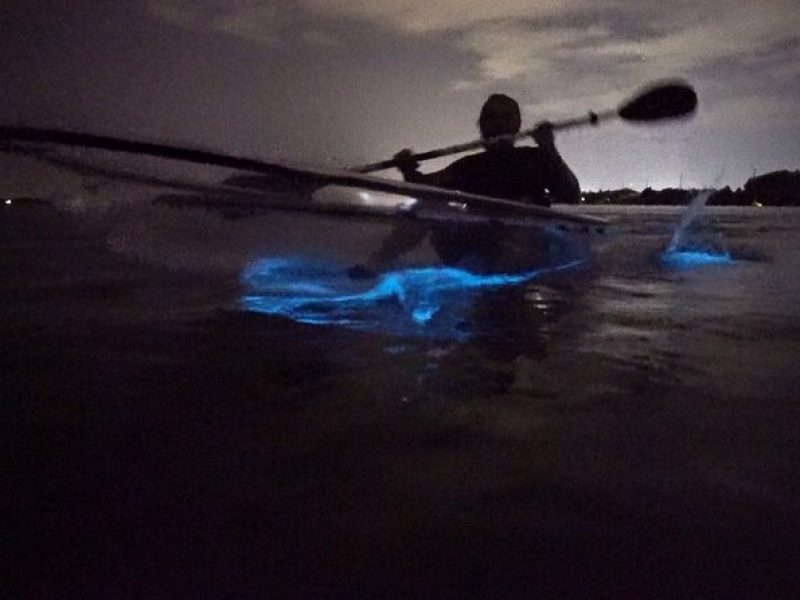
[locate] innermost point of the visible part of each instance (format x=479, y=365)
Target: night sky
x=344, y=82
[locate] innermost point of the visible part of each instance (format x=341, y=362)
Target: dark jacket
x=511, y=174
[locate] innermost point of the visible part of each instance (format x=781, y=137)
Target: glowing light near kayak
x=378, y=199
x=691, y=259
x=681, y=252
x=421, y=301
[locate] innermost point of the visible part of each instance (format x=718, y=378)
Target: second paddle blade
x=662, y=101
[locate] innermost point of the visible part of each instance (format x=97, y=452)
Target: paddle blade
x=663, y=101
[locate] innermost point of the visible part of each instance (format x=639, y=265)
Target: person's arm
x=559, y=178
x=409, y=167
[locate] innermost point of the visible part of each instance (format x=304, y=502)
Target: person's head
x=499, y=116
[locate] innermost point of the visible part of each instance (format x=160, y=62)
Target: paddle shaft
x=113, y=144
x=591, y=119
x=69, y=138
x=667, y=99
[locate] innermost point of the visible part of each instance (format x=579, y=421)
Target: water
x=431, y=301
x=624, y=429
x=691, y=214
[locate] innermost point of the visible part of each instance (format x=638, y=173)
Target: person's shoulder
x=466, y=163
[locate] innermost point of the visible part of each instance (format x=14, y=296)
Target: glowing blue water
x=692, y=212
x=682, y=253
x=431, y=301
x=690, y=259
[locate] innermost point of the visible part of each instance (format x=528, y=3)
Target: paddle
x=303, y=179
x=659, y=101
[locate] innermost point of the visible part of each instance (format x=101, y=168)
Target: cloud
x=256, y=21
x=710, y=32
x=621, y=42
x=518, y=38
x=428, y=16
x=317, y=37
x=259, y=20
x=509, y=49
x=740, y=109
x=747, y=49
x=546, y=45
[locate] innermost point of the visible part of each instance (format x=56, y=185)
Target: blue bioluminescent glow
x=691, y=259
x=414, y=301
x=682, y=253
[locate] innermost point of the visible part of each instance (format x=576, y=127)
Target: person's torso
x=511, y=174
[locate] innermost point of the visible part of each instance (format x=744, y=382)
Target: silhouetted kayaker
x=501, y=171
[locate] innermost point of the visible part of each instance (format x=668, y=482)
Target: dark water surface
x=624, y=430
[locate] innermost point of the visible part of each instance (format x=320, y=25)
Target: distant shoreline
x=778, y=188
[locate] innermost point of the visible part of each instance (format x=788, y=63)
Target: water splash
x=431, y=301
x=683, y=252
x=691, y=213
